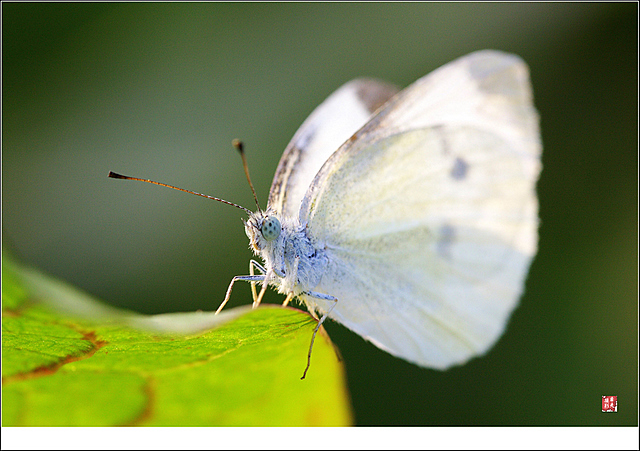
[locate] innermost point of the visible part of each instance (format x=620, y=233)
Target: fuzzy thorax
x=293, y=263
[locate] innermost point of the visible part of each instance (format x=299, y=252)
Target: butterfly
x=410, y=217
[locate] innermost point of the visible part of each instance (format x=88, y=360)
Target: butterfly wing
x=330, y=125
x=428, y=214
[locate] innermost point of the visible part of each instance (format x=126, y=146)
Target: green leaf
x=68, y=360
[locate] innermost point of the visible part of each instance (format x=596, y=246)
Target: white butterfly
x=418, y=231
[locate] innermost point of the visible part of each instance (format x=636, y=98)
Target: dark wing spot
x=460, y=169
x=446, y=237
x=439, y=130
x=375, y=94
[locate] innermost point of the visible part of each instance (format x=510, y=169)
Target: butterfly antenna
x=238, y=145
x=115, y=175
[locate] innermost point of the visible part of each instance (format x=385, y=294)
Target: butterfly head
x=261, y=228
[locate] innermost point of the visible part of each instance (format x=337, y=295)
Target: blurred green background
x=159, y=91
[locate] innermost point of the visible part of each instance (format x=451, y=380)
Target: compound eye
x=271, y=228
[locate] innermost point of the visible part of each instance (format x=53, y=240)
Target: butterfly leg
x=254, y=264
x=325, y=297
x=265, y=283
x=250, y=278
x=287, y=299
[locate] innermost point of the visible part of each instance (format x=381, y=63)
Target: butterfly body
x=294, y=264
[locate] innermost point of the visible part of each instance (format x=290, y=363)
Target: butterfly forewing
x=428, y=214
